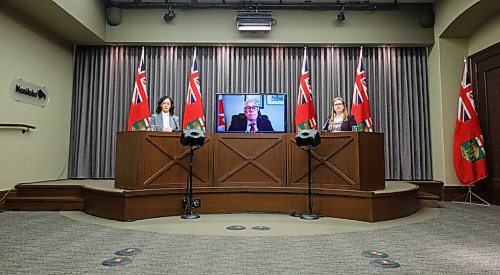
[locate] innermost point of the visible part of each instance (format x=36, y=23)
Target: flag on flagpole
x=194, y=117
x=360, y=108
x=221, y=120
x=305, y=116
x=469, y=158
x=138, y=117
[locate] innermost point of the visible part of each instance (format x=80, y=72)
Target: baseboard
x=430, y=186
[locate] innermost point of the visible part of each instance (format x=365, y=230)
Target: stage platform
x=100, y=198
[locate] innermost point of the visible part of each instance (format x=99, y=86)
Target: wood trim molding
x=486, y=53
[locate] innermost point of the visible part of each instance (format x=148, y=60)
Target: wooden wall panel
x=148, y=160
x=250, y=160
x=343, y=160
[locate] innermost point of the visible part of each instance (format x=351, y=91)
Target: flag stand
x=468, y=198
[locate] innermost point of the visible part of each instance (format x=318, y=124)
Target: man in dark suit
x=251, y=121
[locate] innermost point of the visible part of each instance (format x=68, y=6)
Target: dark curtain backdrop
x=396, y=78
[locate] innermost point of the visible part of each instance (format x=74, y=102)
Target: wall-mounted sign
x=26, y=92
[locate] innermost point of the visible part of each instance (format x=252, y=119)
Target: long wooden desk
x=343, y=160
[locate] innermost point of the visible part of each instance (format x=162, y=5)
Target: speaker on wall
x=425, y=17
x=114, y=16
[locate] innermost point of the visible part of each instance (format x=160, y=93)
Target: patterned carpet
x=461, y=239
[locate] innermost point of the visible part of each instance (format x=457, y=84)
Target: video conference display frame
x=271, y=107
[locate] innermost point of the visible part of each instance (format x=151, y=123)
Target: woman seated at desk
x=164, y=118
x=339, y=120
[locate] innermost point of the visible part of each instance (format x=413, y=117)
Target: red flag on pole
x=138, y=118
x=221, y=120
x=194, y=117
x=360, y=108
x=305, y=116
x=469, y=158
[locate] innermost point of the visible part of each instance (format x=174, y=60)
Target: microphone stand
x=309, y=215
x=188, y=213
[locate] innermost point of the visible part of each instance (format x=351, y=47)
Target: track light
x=341, y=15
x=169, y=15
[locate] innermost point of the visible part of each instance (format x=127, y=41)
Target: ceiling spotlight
x=169, y=15
x=341, y=15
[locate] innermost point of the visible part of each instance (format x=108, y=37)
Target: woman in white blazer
x=164, y=118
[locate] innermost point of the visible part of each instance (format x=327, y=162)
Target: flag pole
x=304, y=57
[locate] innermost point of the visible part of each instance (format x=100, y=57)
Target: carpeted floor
x=461, y=239
x=278, y=224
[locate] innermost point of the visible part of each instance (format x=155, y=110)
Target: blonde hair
x=333, y=109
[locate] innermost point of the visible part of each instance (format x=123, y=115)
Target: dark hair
x=158, y=106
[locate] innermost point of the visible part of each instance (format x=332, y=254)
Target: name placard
x=30, y=93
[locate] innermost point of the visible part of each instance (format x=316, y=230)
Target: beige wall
x=293, y=27
x=487, y=35
x=445, y=69
x=90, y=13
x=435, y=109
x=35, y=56
x=443, y=89
x=448, y=11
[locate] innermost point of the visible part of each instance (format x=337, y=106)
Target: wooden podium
x=343, y=160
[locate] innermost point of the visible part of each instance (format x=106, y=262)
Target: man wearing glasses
x=251, y=121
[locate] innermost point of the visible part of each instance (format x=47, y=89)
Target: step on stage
x=101, y=199
x=235, y=173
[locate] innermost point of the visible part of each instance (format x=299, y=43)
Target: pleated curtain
x=396, y=77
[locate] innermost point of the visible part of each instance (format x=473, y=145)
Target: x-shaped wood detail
x=250, y=160
x=175, y=160
x=323, y=161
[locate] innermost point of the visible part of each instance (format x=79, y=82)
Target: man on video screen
x=251, y=120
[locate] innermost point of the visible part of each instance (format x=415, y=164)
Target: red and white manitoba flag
x=469, y=158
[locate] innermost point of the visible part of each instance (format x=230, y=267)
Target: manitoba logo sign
x=26, y=92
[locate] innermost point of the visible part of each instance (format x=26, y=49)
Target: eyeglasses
x=253, y=108
x=338, y=104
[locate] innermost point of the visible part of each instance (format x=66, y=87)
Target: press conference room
x=215, y=136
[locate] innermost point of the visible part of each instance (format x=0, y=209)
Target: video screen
x=251, y=113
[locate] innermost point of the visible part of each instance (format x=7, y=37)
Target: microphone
x=176, y=125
